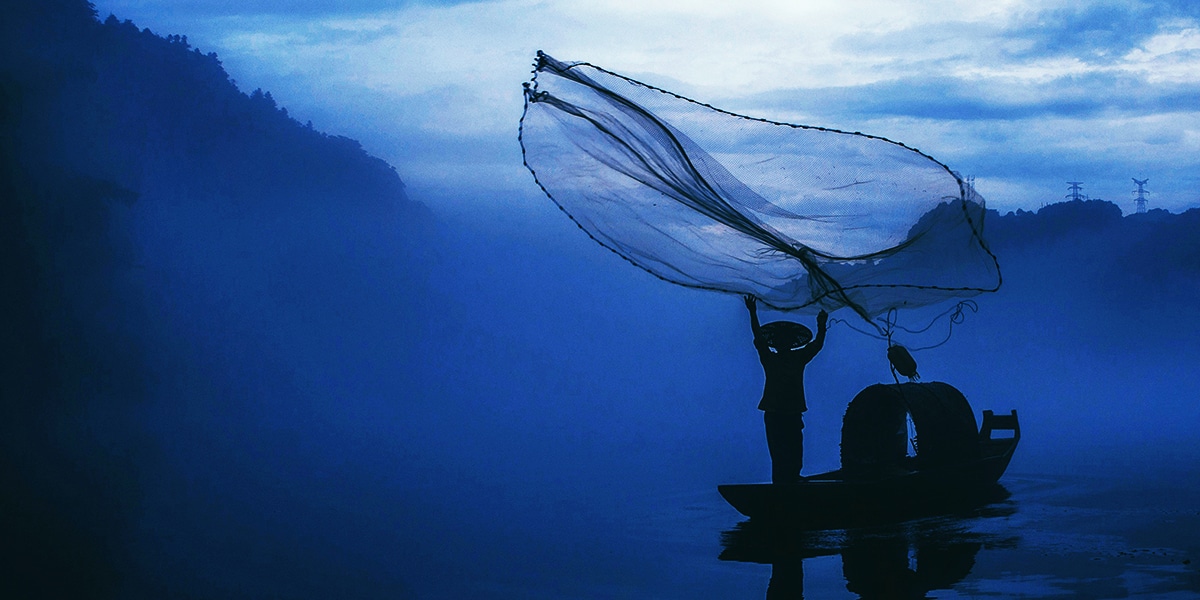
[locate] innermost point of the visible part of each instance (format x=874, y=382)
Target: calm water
x=1055, y=536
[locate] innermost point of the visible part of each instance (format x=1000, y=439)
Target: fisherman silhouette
x=785, y=348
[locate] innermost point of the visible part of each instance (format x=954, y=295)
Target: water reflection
x=903, y=560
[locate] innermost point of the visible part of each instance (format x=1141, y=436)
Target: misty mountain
x=101, y=120
x=153, y=216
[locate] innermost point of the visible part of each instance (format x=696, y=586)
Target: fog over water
x=524, y=414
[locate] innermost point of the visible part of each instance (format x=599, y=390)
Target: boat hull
x=846, y=502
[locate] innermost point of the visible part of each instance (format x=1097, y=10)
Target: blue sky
x=1024, y=95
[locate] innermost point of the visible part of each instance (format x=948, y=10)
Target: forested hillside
x=134, y=174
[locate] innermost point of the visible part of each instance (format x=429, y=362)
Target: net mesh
x=800, y=217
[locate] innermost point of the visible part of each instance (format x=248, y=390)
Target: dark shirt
x=784, y=390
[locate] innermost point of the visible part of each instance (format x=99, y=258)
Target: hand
x=750, y=301
x=822, y=317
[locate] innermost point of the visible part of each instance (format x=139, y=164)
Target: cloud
x=227, y=8
x=1096, y=32
x=1093, y=94
x=1027, y=92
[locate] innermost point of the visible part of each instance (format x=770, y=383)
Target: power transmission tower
x=1076, y=187
x=1140, y=200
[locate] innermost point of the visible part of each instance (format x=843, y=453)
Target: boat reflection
x=903, y=560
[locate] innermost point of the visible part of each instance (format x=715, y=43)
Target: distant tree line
x=1134, y=255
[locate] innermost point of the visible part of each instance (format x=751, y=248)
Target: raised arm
x=822, y=326
x=752, y=306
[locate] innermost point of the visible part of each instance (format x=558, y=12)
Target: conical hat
x=786, y=335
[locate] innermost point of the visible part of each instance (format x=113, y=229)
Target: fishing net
x=801, y=217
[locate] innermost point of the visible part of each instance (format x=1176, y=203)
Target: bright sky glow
x=1025, y=95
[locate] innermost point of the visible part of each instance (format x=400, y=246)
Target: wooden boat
x=955, y=463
